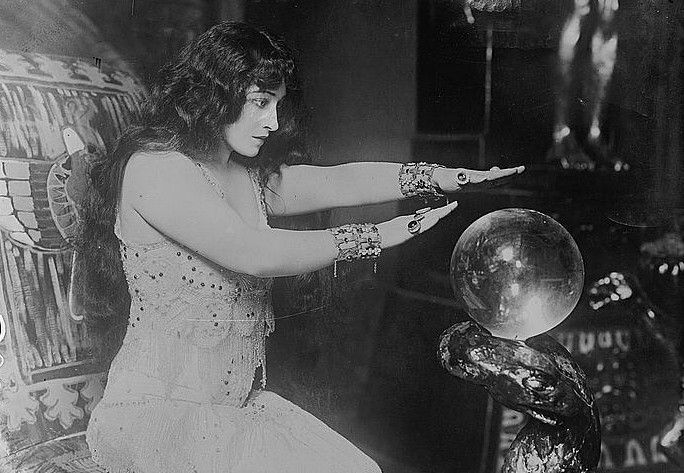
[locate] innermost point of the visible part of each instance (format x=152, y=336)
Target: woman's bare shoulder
x=163, y=170
x=155, y=162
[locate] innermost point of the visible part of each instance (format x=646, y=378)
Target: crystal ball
x=517, y=272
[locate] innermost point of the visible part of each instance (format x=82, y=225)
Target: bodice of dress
x=196, y=331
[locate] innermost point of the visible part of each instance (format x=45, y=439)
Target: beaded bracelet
x=356, y=241
x=415, y=179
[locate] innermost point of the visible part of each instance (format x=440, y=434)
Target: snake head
x=528, y=379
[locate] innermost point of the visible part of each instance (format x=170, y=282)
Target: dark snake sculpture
x=537, y=377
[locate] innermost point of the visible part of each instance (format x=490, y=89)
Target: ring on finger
x=414, y=226
x=420, y=213
x=462, y=178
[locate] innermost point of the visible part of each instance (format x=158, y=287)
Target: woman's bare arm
x=302, y=188
x=173, y=197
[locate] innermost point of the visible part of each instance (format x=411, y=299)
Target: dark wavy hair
x=194, y=99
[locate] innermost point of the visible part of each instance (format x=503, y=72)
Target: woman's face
x=258, y=119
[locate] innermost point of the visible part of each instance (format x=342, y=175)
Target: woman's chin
x=249, y=153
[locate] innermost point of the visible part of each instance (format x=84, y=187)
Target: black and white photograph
x=341, y=236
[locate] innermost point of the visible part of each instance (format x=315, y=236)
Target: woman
x=182, y=204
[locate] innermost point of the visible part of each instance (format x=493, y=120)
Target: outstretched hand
x=455, y=179
x=402, y=228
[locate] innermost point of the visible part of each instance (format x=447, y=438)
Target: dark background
x=400, y=81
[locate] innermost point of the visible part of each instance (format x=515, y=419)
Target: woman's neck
x=223, y=155
x=223, y=164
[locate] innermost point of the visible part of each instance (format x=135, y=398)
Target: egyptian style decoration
x=55, y=113
x=46, y=103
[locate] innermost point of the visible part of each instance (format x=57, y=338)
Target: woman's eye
x=261, y=103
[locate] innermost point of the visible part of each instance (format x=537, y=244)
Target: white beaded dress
x=179, y=396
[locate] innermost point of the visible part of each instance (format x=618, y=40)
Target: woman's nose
x=272, y=120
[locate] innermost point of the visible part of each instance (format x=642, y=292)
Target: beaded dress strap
x=208, y=176
x=256, y=186
x=260, y=195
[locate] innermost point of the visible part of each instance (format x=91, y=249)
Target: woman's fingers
x=438, y=214
x=495, y=176
x=404, y=227
x=508, y=172
x=445, y=210
x=423, y=220
x=497, y=173
x=455, y=179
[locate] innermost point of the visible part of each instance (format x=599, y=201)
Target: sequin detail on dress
x=179, y=395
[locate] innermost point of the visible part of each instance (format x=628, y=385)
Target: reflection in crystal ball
x=517, y=272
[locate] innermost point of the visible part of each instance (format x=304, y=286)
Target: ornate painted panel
x=53, y=110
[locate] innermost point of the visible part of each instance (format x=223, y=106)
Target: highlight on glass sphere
x=517, y=272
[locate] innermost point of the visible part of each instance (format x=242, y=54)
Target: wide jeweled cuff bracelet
x=415, y=179
x=356, y=241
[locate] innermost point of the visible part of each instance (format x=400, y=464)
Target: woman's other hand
x=400, y=229
x=455, y=179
